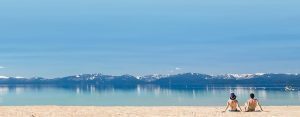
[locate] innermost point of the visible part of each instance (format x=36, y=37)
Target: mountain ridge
x=184, y=79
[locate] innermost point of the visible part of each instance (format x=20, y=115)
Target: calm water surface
x=141, y=95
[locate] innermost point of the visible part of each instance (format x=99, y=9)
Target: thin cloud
x=178, y=68
x=2, y=67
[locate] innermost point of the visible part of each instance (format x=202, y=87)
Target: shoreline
x=142, y=111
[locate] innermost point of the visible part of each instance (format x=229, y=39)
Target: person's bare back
x=251, y=104
x=233, y=104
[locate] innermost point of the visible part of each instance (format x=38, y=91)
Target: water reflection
x=19, y=90
x=3, y=90
x=144, y=95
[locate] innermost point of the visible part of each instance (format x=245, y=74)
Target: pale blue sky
x=51, y=38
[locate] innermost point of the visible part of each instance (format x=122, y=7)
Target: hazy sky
x=51, y=38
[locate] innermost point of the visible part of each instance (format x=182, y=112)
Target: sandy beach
x=181, y=111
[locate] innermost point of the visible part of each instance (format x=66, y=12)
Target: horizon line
x=258, y=73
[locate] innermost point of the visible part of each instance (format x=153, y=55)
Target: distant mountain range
x=185, y=79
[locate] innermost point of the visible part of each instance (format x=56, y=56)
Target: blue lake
x=90, y=95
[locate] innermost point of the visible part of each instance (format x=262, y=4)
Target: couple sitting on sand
x=250, y=105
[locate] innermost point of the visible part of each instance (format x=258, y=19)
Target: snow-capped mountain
x=239, y=76
x=177, y=79
x=87, y=77
x=150, y=78
x=4, y=77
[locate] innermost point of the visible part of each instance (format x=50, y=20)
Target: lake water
x=141, y=95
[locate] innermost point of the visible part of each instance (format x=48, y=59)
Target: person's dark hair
x=252, y=95
x=232, y=96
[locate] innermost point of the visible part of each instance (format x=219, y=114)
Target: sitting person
x=251, y=104
x=233, y=104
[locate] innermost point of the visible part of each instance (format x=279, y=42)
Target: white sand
x=92, y=111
